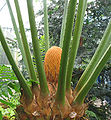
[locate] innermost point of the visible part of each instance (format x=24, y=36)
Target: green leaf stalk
x=60, y=95
x=75, y=43
x=46, y=26
x=89, y=83
x=25, y=43
x=105, y=42
x=63, y=23
x=20, y=44
x=36, y=48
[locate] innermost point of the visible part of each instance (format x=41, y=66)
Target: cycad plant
x=53, y=97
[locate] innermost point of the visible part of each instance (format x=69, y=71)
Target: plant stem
x=60, y=95
x=37, y=53
x=46, y=26
x=63, y=23
x=75, y=43
x=106, y=40
x=20, y=44
x=87, y=86
x=25, y=43
x=21, y=79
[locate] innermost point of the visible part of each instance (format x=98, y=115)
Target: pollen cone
x=52, y=63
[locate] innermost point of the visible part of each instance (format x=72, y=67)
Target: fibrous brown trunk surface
x=45, y=108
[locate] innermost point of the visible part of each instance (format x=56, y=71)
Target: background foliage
x=9, y=91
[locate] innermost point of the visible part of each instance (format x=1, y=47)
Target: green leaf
x=91, y=114
x=4, y=89
x=1, y=115
x=94, y=98
x=10, y=91
x=14, y=86
x=7, y=103
x=3, y=82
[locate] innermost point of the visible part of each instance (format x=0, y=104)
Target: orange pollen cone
x=52, y=63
